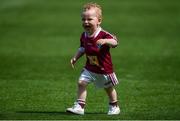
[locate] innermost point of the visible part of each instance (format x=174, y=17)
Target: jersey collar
x=95, y=34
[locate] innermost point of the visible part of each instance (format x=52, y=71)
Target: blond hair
x=98, y=8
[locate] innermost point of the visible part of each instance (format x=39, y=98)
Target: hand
x=101, y=42
x=73, y=61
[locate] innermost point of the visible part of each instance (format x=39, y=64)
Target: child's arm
x=111, y=42
x=79, y=53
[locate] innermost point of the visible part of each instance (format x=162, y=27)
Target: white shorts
x=99, y=80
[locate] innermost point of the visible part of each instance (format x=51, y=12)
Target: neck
x=93, y=34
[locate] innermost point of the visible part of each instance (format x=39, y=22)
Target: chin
x=87, y=30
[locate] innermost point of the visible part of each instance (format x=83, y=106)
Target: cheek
x=98, y=22
x=95, y=22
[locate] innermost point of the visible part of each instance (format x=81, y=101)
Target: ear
x=99, y=21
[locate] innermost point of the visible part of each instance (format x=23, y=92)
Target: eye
x=89, y=19
x=83, y=19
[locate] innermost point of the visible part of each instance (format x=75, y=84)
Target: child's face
x=90, y=20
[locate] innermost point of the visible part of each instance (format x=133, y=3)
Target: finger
x=71, y=61
x=72, y=65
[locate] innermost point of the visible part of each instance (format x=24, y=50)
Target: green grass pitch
x=38, y=38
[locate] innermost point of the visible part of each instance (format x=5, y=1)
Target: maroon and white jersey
x=98, y=57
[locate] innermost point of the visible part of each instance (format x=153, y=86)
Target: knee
x=110, y=89
x=82, y=83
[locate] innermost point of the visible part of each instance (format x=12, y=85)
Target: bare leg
x=112, y=94
x=82, y=92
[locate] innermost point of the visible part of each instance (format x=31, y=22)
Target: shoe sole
x=71, y=112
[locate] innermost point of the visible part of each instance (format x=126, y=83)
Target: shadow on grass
x=51, y=115
x=57, y=112
x=43, y=112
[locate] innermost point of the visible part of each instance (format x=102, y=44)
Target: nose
x=85, y=21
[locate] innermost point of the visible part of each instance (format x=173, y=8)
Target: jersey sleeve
x=110, y=36
x=81, y=48
x=82, y=40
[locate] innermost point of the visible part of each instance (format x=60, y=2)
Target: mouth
x=87, y=26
